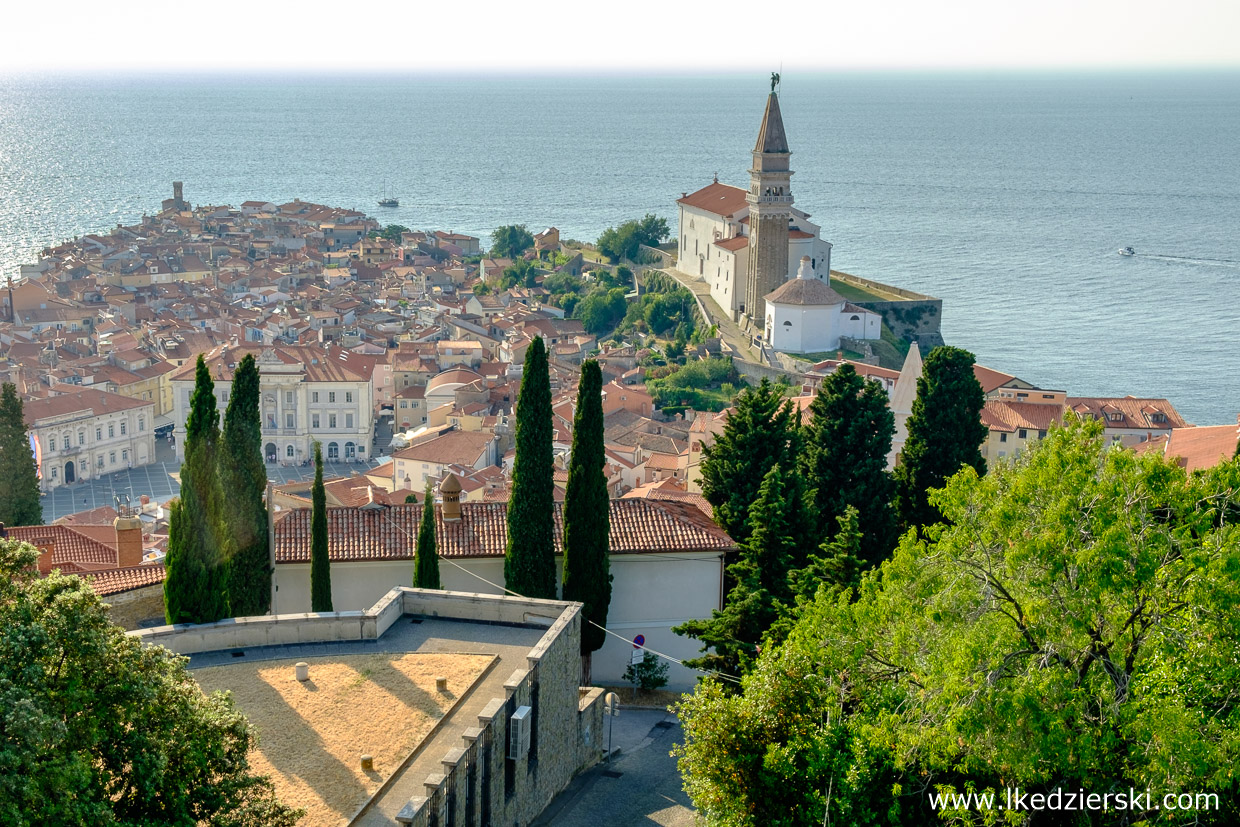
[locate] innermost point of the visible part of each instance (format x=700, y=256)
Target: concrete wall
x=913, y=316
x=479, y=784
x=651, y=593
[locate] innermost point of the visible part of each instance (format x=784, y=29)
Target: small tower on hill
x=770, y=210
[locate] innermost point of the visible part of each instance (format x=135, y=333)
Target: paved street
x=641, y=787
x=157, y=481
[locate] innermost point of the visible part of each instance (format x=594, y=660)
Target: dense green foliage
x=510, y=241
x=587, y=513
x=97, y=729
x=1075, y=625
x=320, y=562
x=529, y=559
x=520, y=273
x=601, y=309
x=847, y=441
x=622, y=242
x=702, y=384
x=196, y=587
x=19, y=481
x=244, y=476
x=391, y=232
x=761, y=431
x=775, y=547
x=662, y=313
x=945, y=433
x=426, y=564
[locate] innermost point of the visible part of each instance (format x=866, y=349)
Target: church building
x=746, y=243
x=805, y=315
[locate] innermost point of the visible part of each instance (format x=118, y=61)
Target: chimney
x=47, y=547
x=128, y=542
x=450, y=491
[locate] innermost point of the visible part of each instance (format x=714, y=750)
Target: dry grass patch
x=311, y=735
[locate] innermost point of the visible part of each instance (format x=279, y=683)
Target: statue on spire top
x=774, y=80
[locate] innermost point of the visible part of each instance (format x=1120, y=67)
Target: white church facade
x=767, y=264
x=804, y=315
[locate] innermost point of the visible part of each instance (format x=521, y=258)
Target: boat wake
x=1215, y=262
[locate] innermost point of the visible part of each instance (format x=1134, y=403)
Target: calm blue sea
x=1006, y=195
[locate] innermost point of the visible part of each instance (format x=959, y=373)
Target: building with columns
x=306, y=394
x=746, y=242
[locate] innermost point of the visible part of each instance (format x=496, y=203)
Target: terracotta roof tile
x=67, y=544
x=637, y=526
x=716, y=198
x=115, y=581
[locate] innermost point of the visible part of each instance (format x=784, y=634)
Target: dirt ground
x=311, y=735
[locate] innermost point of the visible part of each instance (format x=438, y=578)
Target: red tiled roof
x=637, y=526
x=1203, y=447
x=1005, y=415
x=733, y=244
x=68, y=545
x=1136, y=413
x=716, y=198
x=115, y=581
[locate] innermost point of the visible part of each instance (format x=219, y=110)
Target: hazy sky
x=629, y=35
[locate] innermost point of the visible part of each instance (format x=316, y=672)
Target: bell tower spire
x=770, y=210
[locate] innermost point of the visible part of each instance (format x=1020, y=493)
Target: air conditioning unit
x=519, y=733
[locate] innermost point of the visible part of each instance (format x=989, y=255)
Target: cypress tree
x=761, y=576
x=845, y=459
x=761, y=431
x=426, y=567
x=587, y=516
x=945, y=434
x=19, y=478
x=196, y=589
x=244, y=477
x=529, y=560
x=320, y=566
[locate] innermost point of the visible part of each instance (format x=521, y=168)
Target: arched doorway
x=333, y=452
x=270, y=451
x=70, y=473
x=350, y=451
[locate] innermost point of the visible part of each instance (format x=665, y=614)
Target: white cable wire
x=506, y=590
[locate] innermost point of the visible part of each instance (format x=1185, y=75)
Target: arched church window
x=855, y=319
x=787, y=324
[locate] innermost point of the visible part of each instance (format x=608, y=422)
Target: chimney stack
x=128, y=542
x=46, y=549
x=450, y=492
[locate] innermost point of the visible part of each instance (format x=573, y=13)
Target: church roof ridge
x=771, y=137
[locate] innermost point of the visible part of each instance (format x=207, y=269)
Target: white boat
x=1127, y=251
x=386, y=200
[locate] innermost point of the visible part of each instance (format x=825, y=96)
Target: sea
x=1007, y=195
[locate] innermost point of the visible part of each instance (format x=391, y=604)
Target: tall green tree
x=97, y=728
x=510, y=241
x=587, y=516
x=761, y=431
x=244, y=476
x=19, y=480
x=847, y=441
x=731, y=637
x=529, y=559
x=320, y=564
x=945, y=434
x=1075, y=624
x=426, y=566
x=196, y=586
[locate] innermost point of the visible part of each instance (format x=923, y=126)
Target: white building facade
x=87, y=433
x=307, y=394
x=806, y=316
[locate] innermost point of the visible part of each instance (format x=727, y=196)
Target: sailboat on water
x=387, y=201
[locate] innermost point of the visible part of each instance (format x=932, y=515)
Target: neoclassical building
x=745, y=243
x=306, y=394
x=86, y=433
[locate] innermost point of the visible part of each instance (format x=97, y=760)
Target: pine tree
x=244, y=477
x=196, y=589
x=845, y=459
x=426, y=567
x=945, y=434
x=320, y=565
x=587, y=516
x=838, y=564
x=761, y=431
x=761, y=591
x=19, y=479
x=529, y=560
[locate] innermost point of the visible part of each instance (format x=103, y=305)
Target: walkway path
x=729, y=330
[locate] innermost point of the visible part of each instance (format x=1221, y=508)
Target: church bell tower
x=770, y=209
